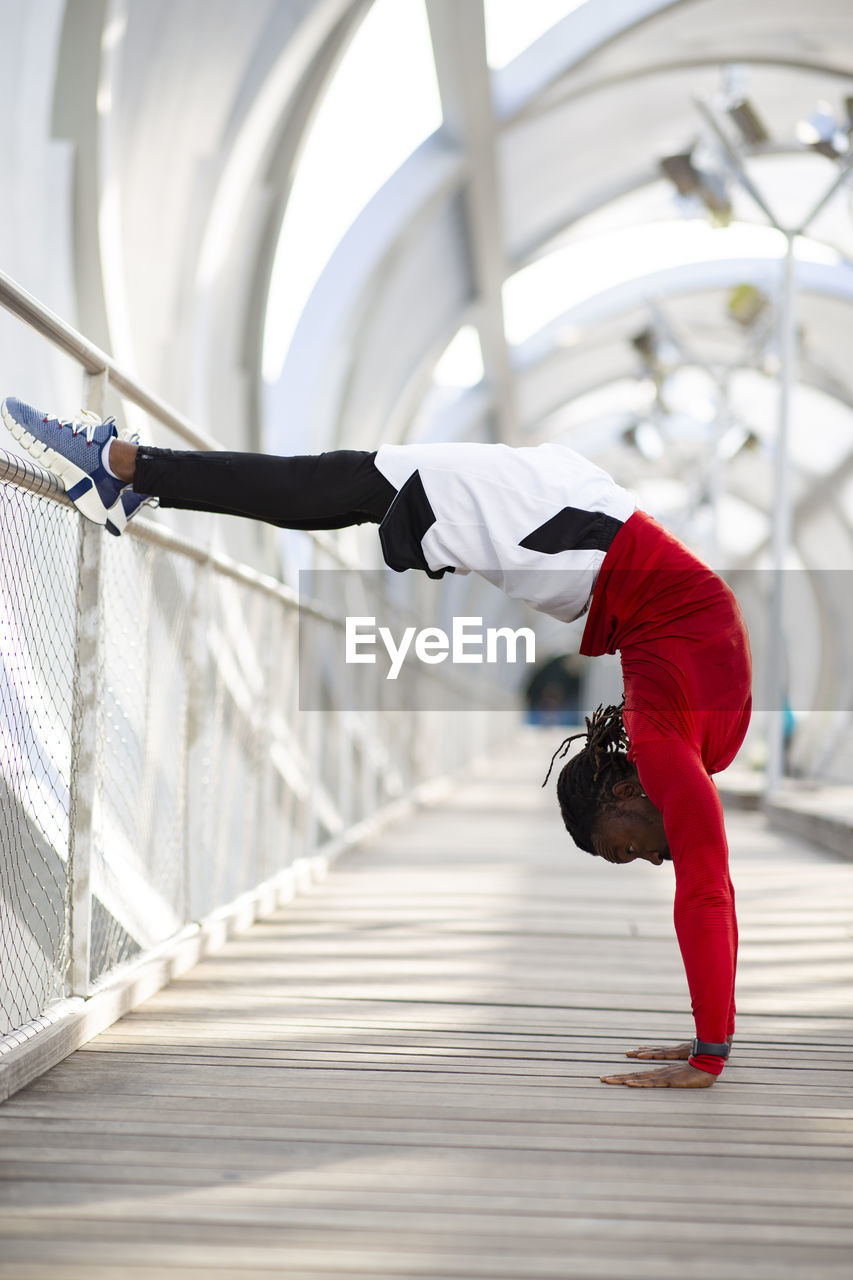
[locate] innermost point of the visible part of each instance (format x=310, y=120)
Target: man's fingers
x=661, y=1052
x=679, y=1076
x=635, y=1078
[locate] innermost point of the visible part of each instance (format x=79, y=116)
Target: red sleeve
x=675, y=780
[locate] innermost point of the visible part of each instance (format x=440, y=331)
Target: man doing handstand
x=550, y=528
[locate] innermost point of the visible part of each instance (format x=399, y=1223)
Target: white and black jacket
x=536, y=522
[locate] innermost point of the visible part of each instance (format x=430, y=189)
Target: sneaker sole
x=87, y=503
x=116, y=521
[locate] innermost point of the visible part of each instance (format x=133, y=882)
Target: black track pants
x=308, y=491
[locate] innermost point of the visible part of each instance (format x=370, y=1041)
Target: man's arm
x=676, y=783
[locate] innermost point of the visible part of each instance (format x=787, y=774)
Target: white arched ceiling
x=581, y=118
x=201, y=108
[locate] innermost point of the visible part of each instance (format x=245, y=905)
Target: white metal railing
x=154, y=762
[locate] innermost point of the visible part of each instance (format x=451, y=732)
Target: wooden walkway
x=397, y=1077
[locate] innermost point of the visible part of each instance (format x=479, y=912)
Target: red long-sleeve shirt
x=687, y=671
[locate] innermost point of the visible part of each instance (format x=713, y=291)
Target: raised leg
x=306, y=491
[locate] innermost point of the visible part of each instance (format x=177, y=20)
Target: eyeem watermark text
x=467, y=642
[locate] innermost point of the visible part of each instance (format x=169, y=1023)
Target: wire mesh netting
x=201, y=785
x=228, y=745
x=38, y=585
x=157, y=689
x=138, y=859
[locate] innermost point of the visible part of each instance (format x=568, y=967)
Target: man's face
x=632, y=829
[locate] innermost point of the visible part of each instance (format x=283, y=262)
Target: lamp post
x=781, y=522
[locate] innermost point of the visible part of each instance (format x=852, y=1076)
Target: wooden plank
x=356, y=1103
x=432, y=1186
x=460, y=1235
x=349, y=1253
x=128, y=1217
x=235, y=1139
x=577, y=1267
x=812, y=1181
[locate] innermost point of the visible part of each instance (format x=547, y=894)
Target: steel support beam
x=458, y=36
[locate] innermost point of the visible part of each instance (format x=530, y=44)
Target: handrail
x=24, y=474
x=29, y=475
x=94, y=360
x=47, y=324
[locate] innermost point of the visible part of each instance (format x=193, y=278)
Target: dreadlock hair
x=584, y=786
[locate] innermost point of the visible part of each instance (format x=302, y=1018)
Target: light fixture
x=657, y=351
x=689, y=180
x=645, y=343
x=746, y=303
x=682, y=173
x=823, y=133
x=646, y=438
x=749, y=123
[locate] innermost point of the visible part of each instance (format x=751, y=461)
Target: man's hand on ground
x=663, y=1053
x=680, y=1076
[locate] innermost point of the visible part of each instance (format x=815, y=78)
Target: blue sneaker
x=71, y=449
x=126, y=508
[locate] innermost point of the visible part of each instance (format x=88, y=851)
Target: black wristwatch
x=715, y=1050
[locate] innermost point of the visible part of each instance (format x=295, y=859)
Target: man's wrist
x=710, y=1048
x=708, y=1055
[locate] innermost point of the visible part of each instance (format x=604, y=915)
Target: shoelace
x=88, y=421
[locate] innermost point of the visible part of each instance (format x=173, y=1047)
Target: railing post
x=199, y=747
x=193, y=731
x=346, y=748
x=781, y=530
x=84, y=728
x=309, y=695
x=267, y=824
